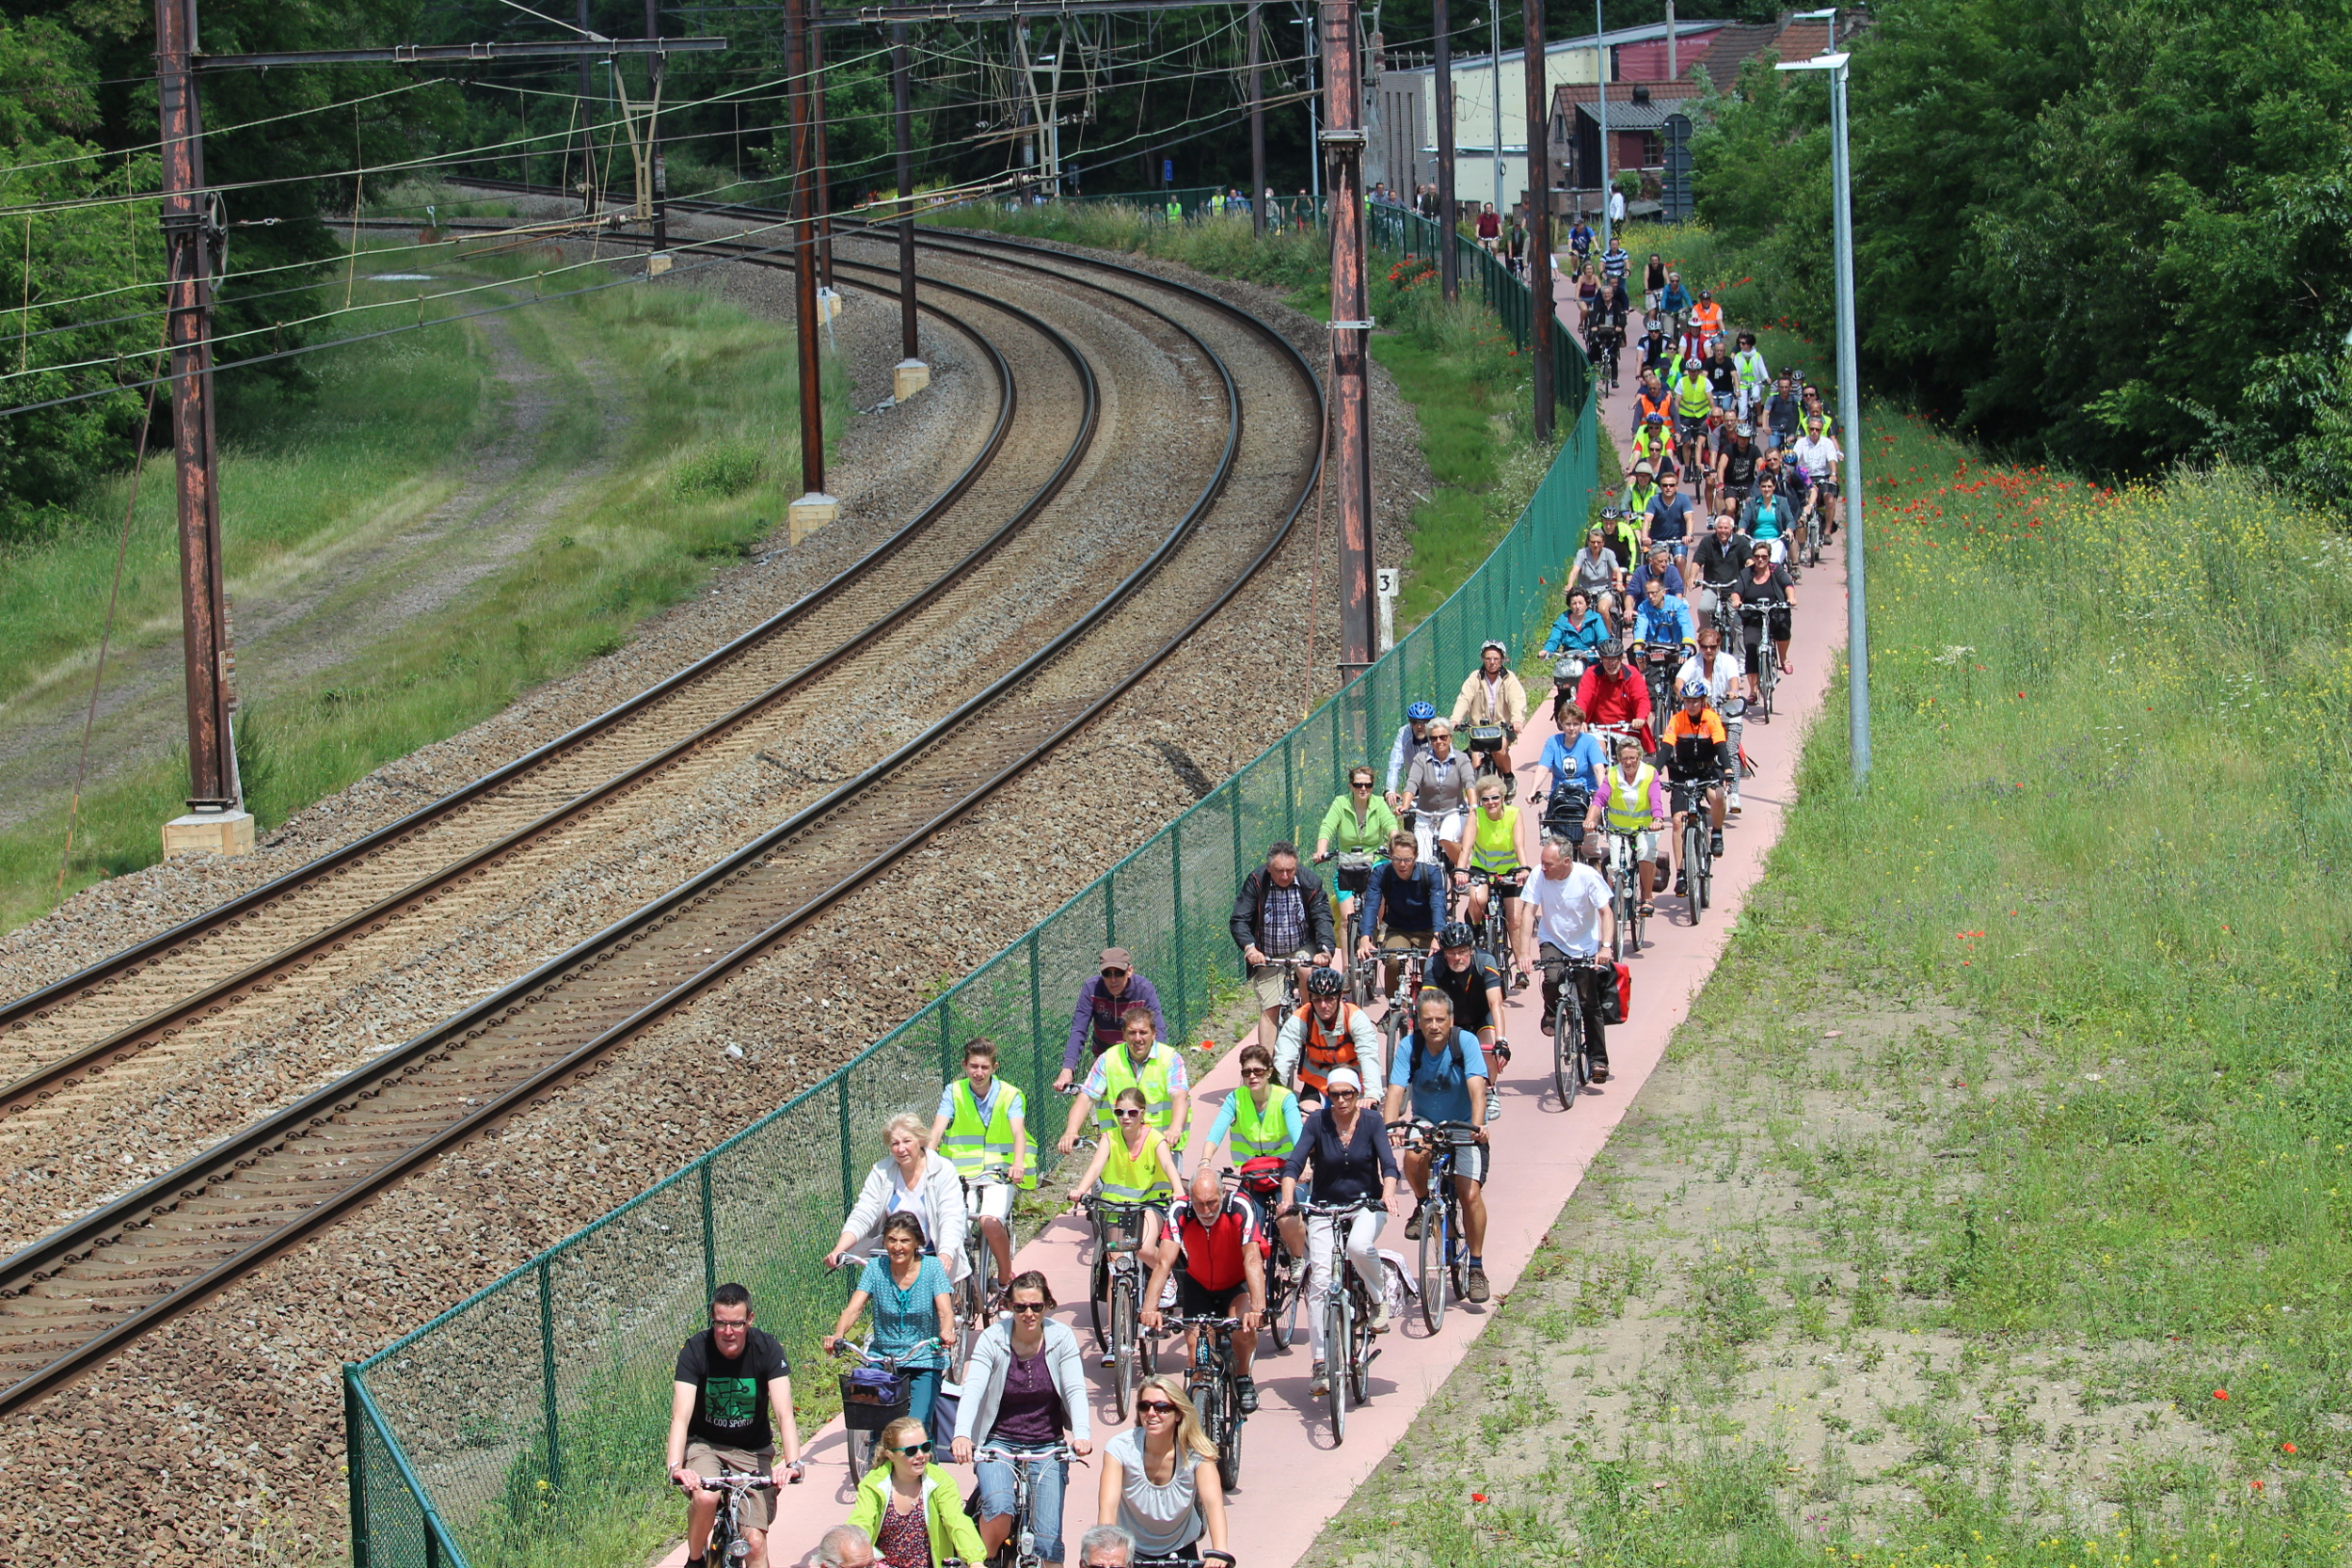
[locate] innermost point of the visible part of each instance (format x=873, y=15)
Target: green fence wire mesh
x=506, y=1427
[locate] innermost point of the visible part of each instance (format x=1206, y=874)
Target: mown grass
x=693, y=484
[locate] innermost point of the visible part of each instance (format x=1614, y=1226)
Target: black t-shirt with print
x=731, y=1406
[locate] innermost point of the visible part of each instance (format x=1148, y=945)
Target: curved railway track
x=70, y=1300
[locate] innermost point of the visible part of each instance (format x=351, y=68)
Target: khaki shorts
x=1266, y=981
x=760, y=1508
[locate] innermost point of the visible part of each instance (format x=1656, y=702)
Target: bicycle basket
x=1356, y=860
x=1262, y=1176
x=871, y=1398
x=1482, y=737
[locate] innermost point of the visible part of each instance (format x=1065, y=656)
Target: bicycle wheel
x=1434, y=1273
x=1579, y=1055
x=1228, y=1435
x=1767, y=672
x=1336, y=1342
x=1098, y=1302
x=1360, y=1354
x=975, y=1313
x=1693, y=871
x=1705, y=883
x=861, y=1453
x=1394, y=1027
x=1282, y=1288
x=1567, y=1028
x=1124, y=1348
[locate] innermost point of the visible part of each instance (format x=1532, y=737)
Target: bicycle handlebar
x=1061, y=1451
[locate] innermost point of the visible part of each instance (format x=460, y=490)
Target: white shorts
x=1430, y=830
x=990, y=1200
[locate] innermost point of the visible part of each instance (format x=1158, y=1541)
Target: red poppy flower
x=2221, y=1393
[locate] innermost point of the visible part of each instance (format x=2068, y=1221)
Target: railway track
x=69, y=1300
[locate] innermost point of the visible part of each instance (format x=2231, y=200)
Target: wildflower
x=2286, y=1447
x=2221, y=1393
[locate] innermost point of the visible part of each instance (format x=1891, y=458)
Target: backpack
x=1412, y=1069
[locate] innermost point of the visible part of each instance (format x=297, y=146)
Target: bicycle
x=1571, y=1053
x=1625, y=890
x=979, y=1259
x=1116, y=1296
x=1489, y=750
x=1766, y=659
x=1019, y=1547
x=1398, y=1022
x=1698, y=858
x=1444, y=1248
x=1490, y=933
x=1281, y=1269
x=1347, y=1308
x=1212, y=1388
x=728, y=1544
x=869, y=1405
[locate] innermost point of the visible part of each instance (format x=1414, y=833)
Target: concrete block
x=209, y=832
x=810, y=512
x=828, y=303
x=908, y=377
x=657, y=263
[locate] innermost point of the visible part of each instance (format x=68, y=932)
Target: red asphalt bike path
x=1294, y=1479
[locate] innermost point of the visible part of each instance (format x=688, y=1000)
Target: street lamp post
x=1848, y=410
x=1600, y=82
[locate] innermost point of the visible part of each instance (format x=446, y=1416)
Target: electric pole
x=910, y=375
x=653, y=142
x=1351, y=331
x=823, y=188
x=1258, y=202
x=814, y=509
x=1441, y=81
x=1539, y=332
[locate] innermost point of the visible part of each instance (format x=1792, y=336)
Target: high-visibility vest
x=1496, y=845
x=1119, y=1072
x=1629, y=804
x=973, y=1144
x=1257, y=1133
x=1135, y=1177
x=1692, y=396
x=1175, y=211
x=1320, y=1054
x=1709, y=316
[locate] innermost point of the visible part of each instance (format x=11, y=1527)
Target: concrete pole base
x=908, y=377
x=657, y=263
x=209, y=832
x=828, y=303
x=810, y=512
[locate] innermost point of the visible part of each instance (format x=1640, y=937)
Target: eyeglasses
x=1255, y=1072
x=1346, y=1094
x=914, y=1449
x=1026, y=1307
x=1127, y=1115
x=1155, y=1407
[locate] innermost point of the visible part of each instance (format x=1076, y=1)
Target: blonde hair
x=908, y=1123
x=896, y=1434
x=1188, y=1432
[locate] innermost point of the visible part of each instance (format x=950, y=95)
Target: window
x=1652, y=154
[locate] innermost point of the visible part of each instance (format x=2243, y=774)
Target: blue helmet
x=1420, y=713
x=1693, y=687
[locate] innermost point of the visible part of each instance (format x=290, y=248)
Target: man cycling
x=1614, y=263
x=1141, y=1063
x=1783, y=415
x=1413, y=740
x=983, y=1121
x=730, y=1404
x=1219, y=1268
x=1707, y=316
x=1664, y=621
x=1407, y=895
x=1721, y=675
x=1718, y=559
x=1693, y=399
x=1575, y=919
x=1819, y=451
x=1650, y=397
x=1579, y=241
x=1445, y=1072
x=1613, y=692
x=1736, y=466
x=1472, y=982
x=1659, y=567
x=1437, y=790
x=1328, y=1032
x=1697, y=750
x=1282, y=913
x=1595, y=572
x=1672, y=516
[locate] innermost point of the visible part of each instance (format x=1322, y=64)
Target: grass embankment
x=387, y=431
x=2009, y=1151
x=1468, y=387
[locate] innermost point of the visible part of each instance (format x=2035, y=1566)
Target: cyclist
x=1106, y=1547
x=1445, y=1073
x=1631, y=803
x=1145, y=1063
x=983, y=1122
x=911, y=1507
x=1622, y=534
x=1654, y=453
x=1282, y=912
x=730, y=1403
x=1736, y=466
x=1613, y=692
x=912, y=1178
x=1577, y=630
x=1407, y=895
x=1579, y=241
x=1662, y=620
x=1491, y=695
x=1693, y=401
x=1024, y=1386
x=1768, y=520
x=1497, y=846
x=1472, y=982
x=1576, y=760
x=1675, y=301
x=1783, y=413
x=1650, y=396
x=1133, y=1165
x=1412, y=740
x=1260, y=1121
x=913, y=1303
x=1654, y=343
x=1100, y=1020
x=1574, y=920
x=1672, y=516
x=1328, y=1031
x=1659, y=566
x=1219, y=1269
x=1360, y=823
x=1653, y=282
x=1596, y=572
x=1717, y=560
x=1604, y=341
x=1722, y=377
x=1439, y=791
x=1819, y=451
x=1765, y=603
x=1351, y=1157
x=1712, y=668
x=1756, y=382
x=1160, y=1483
x=1614, y=263
x=1707, y=316
x=1696, y=749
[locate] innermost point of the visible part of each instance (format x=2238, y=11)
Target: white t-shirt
x=1567, y=909
x=1718, y=683
x=1817, y=455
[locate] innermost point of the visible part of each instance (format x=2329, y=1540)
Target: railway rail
x=71, y=1299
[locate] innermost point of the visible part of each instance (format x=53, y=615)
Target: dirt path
x=312, y=611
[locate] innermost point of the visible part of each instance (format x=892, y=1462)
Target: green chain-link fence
x=532, y=1414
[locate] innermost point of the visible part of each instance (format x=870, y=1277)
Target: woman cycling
x=911, y=1508
x=1350, y=1153
x=1576, y=631
x=1159, y=1477
x=1134, y=1167
x=912, y=1304
x=910, y=1180
x=1499, y=847
x=1360, y=822
x=1023, y=1388
x=1762, y=595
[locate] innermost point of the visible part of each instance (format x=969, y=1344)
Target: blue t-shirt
x=1580, y=766
x=903, y=1319
x=1441, y=1090
x=1014, y=1108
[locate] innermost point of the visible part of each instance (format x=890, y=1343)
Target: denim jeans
x=922, y=1389
x=1045, y=1496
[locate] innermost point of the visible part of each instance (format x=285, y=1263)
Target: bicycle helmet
x=1420, y=713
x=1693, y=687
x=1612, y=649
x=1322, y=981
x=1456, y=934
x=1496, y=647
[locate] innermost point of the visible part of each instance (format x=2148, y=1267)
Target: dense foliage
x=2111, y=229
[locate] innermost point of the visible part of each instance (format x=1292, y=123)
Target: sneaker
x=1683, y=884
x=1715, y=843
x=1601, y=1072
x=1322, y=1384
x=1379, y=1317
x=1246, y=1390
x=1733, y=805
x=1413, y=1225
x=1167, y=1296
x=1109, y=1360
x=1474, y=1285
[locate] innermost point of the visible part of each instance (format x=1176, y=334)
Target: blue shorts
x=1045, y=1497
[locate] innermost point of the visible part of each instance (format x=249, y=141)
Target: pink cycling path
x=1294, y=1479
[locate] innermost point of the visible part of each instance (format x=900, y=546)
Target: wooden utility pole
x=910, y=375
x=216, y=819
x=1540, y=329
x=660, y=173
x=1258, y=202
x=814, y=509
x=1442, y=84
x=1351, y=329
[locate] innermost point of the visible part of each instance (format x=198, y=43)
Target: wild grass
x=710, y=394
x=1221, y=245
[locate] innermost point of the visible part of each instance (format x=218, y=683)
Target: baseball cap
x=1116, y=957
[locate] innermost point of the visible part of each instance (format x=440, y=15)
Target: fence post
x=546, y=1375
x=1176, y=903
x=841, y=1104
x=946, y=1039
x=711, y=1232
x=1037, y=1008
x=1110, y=908
x=1290, y=791
x=354, y=1450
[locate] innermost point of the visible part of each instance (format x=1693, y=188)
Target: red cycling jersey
x=1213, y=1255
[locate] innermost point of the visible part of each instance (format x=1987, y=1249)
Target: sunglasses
x=914, y=1449
x=1114, y=973
x=1359, y=783
x=1127, y=1115
x=1253, y=1073
x=1027, y=1307
x=1345, y=1094
x=1155, y=1407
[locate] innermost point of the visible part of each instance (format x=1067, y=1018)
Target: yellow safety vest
x=1119, y=1072
x=1629, y=804
x=1692, y=396
x=1497, y=845
x=1135, y=1177
x=1259, y=1132
x=973, y=1146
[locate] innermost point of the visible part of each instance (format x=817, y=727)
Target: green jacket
x=952, y=1530
x=1339, y=826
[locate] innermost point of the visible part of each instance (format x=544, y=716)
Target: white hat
x=1344, y=1078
